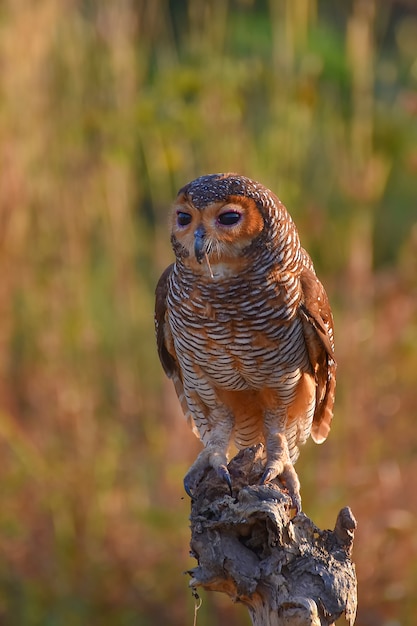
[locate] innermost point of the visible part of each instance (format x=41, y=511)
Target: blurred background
x=106, y=109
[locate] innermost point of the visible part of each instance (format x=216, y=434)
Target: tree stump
x=284, y=569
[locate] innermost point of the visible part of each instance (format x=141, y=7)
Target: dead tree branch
x=285, y=570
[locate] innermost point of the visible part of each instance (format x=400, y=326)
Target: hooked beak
x=199, y=236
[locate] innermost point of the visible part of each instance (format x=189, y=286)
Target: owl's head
x=220, y=218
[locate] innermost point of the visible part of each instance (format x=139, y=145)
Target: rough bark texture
x=283, y=568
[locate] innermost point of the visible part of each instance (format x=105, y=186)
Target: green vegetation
x=106, y=109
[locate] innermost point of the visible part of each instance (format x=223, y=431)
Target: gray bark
x=251, y=547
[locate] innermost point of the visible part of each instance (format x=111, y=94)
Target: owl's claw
x=188, y=487
x=196, y=472
x=223, y=473
x=267, y=476
x=290, y=478
x=296, y=502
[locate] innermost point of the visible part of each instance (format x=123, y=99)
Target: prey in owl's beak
x=199, y=247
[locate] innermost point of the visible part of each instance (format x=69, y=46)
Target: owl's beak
x=199, y=236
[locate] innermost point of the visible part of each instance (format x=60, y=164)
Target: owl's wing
x=165, y=344
x=164, y=340
x=318, y=333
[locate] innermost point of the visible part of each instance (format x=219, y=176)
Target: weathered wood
x=284, y=569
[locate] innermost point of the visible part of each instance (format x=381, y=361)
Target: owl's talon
x=267, y=476
x=296, y=501
x=192, y=479
x=187, y=487
x=290, y=479
x=207, y=459
x=223, y=473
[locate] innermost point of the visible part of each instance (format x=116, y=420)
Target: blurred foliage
x=106, y=109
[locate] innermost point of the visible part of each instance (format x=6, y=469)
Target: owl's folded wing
x=318, y=333
x=164, y=341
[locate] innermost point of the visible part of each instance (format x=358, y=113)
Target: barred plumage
x=244, y=327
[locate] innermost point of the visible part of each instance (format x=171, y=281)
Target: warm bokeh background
x=106, y=109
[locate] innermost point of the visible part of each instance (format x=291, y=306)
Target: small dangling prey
x=208, y=264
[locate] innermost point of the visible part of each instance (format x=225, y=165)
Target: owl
x=244, y=328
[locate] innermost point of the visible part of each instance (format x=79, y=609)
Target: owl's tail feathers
x=319, y=432
x=323, y=417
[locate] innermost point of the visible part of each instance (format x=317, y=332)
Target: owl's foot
x=286, y=474
x=205, y=460
x=279, y=465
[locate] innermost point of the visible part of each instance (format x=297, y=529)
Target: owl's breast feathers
x=246, y=336
x=243, y=316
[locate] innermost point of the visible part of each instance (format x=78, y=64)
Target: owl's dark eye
x=229, y=218
x=183, y=219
